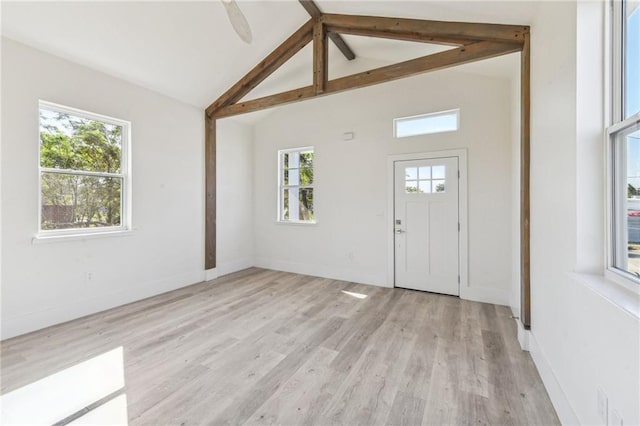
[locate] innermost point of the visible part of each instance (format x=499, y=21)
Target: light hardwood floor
x=266, y=347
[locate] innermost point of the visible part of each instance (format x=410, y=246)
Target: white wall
x=234, y=142
x=44, y=284
x=579, y=339
x=350, y=239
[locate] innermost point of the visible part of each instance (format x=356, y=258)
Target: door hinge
x=458, y=279
x=458, y=226
x=458, y=174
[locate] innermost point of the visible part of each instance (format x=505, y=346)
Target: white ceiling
x=188, y=50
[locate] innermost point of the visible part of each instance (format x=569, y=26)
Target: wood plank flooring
x=263, y=347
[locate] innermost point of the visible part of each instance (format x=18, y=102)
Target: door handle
x=399, y=231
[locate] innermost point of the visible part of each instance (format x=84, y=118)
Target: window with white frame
x=623, y=139
x=424, y=124
x=295, y=179
x=84, y=171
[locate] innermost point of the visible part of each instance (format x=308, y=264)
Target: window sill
x=284, y=222
x=59, y=238
x=622, y=297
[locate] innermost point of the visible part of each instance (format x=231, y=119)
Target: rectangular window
x=437, y=122
x=295, y=181
x=624, y=142
x=84, y=171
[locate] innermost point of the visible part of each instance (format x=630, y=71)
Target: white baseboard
x=225, y=268
x=333, y=273
x=497, y=296
x=211, y=274
x=558, y=398
x=478, y=294
x=77, y=308
x=523, y=335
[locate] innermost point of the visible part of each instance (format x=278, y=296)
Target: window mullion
x=80, y=172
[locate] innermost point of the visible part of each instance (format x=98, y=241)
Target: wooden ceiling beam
x=320, y=58
x=314, y=11
x=266, y=67
x=265, y=102
x=418, y=29
x=403, y=36
x=437, y=61
x=446, y=59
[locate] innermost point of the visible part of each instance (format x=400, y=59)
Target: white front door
x=427, y=225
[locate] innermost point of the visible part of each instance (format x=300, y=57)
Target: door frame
x=463, y=240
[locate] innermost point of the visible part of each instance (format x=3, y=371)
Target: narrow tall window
x=624, y=141
x=84, y=175
x=295, y=203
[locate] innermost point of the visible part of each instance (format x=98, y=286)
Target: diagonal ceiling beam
x=266, y=67
x=434, y=62
x=423, y=30
x=404, y=36
x=314, y=11
x=446, y=59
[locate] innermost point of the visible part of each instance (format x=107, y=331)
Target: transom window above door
x=424, y=180
x=425, y=124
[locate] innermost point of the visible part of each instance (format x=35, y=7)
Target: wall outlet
x=603, y=406
x=615, y=418
x=88, y=277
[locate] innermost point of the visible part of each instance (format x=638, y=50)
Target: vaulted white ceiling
x=189, y=51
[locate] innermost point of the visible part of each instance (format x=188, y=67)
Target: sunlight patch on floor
x=72, y=393
x=356, y=295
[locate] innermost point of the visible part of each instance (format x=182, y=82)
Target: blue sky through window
x=632, y=72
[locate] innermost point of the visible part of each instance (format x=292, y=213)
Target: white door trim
x=463, y=252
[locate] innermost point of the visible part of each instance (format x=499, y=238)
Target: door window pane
x=411, y=186
x=438, y=172
x=438, y=185
x=425, y=186
x=411, y=173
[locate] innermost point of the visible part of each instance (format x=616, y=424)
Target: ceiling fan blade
x=238, y=20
